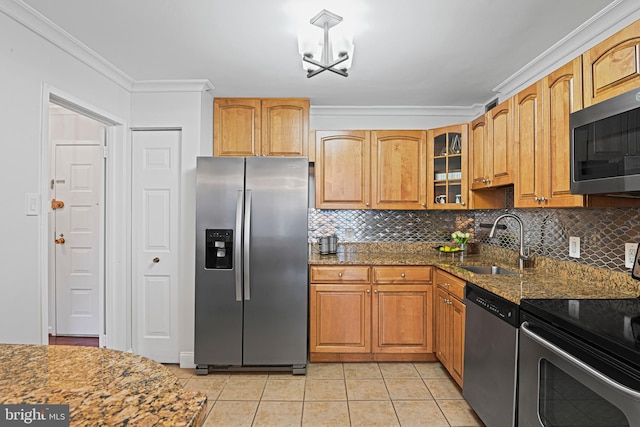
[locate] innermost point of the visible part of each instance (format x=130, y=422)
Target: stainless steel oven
x=579, y=363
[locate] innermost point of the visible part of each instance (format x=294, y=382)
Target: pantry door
x=78, y=188
x=155, y=220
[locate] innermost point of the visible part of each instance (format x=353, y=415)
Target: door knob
x=156, y=260
x=57, y=204
x=60, y=240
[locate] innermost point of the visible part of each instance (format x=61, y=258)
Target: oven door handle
x=577, y=362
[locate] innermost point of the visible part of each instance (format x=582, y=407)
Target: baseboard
x=186, y=360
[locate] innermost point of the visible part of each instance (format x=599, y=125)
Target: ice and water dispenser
x=219, y=249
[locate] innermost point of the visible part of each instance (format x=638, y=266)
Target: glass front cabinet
x=448, y=155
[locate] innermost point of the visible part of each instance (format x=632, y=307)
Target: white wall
x=28, y=63
x=193, y=113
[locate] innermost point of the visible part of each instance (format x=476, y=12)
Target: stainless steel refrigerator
x=251, y=288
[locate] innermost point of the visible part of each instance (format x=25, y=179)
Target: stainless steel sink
x=487, y=269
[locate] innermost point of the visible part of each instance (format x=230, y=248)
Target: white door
x=155, y=221
x=77, y=183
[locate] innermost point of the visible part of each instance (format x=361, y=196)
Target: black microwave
x=605, y=146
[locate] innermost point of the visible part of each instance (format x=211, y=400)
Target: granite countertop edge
x=544, y=282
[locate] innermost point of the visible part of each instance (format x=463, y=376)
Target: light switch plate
x=31, y=204
x=574, y=247
x=629, y=254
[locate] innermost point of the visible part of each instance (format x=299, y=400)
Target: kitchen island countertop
x=101, y=386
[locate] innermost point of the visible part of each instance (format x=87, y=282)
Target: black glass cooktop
x=610, y=324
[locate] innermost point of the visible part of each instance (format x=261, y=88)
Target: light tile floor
x=334, y=394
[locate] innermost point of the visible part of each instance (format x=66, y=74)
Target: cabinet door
x=447, y=173
x=398, y=170
x=562, y=97
x=611, y=67
x=530, y=148
x=285, y=127
x=236, y=127
x=456, y=361
x=342, y=170
x=500, y=128
x=401, y=319
x=443, y=327
x=479, y=153
x=340, y=318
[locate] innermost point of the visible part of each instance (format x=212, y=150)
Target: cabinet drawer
x=339, y=274
x=402, y=274
x=452, y=284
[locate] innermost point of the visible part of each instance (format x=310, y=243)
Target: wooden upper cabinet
x=236, y=127
x=543, y=139
x=611, y=67
x=491, y=147
x=479, y=144
x=285, y=127
x=447, y=171
x=260, y=127
x=530, y=149
x=342, y=169
x=500, y=139
x=562, y=96
x=398, y=169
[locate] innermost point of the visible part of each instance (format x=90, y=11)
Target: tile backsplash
x=602, y=232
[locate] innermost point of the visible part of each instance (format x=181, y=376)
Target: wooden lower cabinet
x=450, y=314
x=390, y=319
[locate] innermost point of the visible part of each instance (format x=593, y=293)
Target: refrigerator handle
x=237, y=244
x=247, y=241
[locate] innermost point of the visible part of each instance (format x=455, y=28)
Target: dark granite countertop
x=101, y=386
x=548, y=279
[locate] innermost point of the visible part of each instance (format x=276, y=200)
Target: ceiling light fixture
x=341, y=48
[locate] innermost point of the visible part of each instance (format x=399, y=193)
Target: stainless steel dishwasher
x=491, y=356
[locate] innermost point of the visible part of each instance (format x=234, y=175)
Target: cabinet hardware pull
x=156, y=260
x=368, y=291
x=339, y=274
x=375, y=292
x=402, y=275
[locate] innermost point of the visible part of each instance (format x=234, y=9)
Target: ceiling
x=407, y=52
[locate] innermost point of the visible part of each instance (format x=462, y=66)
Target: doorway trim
x=115, y=286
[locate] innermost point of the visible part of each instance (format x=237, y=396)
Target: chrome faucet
x=522, y=256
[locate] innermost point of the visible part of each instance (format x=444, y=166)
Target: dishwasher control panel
x=494, y=304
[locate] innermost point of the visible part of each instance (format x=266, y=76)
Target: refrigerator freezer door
x=275, y=317
x=218, y=302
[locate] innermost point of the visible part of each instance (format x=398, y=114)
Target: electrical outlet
x=629, y=254
x=574, y=247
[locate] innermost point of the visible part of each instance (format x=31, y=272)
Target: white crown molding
x=608, y=21
x=403, y=111
x=39, y=24
x=196, y=85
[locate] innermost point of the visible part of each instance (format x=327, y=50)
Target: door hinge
x=104, y=151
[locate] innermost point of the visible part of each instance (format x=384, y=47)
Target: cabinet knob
x=367, y=204
x=462, y=203
x=447, y=284
x=339, y=274
x=375, y=292
x=402, y=275
x=424, y=205
x=542, y=199
x=368, y=291
x=536, y=199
